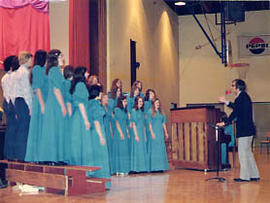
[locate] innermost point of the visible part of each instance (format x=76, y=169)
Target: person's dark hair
x=114, y=92
x=114, y=86
x=147, y=94
x=40, y=57
x=39, y=60
x=94, y=91
x=240, y=84
x=120, y=103
x=153, y=107
x=78, y=76
x=132, y=91
x=135, y=84
x=55, y=52
x=8, y=63
x=68, y=71
x=136, y=103
x=51, y=62
x=139, y=82
x=15, y=64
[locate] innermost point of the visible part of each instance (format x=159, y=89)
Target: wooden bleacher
x=67, y=180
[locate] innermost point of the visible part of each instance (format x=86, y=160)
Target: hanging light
x=180, y=3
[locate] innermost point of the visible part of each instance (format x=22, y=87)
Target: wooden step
x=68, y=180
x=36, y=178
x=82, y=168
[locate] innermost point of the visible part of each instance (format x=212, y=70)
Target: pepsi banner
x=253, y=45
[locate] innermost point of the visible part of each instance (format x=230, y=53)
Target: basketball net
x=241, y=68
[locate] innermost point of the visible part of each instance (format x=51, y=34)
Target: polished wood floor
x=181, y=186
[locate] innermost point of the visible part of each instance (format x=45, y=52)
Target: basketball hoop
x=241, y=68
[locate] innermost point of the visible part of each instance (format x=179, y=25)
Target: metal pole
x=208, y=38
x=223, y=34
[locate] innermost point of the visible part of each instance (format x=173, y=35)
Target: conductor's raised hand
x=222, y=99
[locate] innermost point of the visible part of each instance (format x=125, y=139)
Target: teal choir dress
x=121, y=147
x=130, y=103
x=157, y=148
x=67, y=99
x=96, y=113
x=138, y=156
x=108, y=125
x=147, y=107
x=142, y=95
x=114, y=102
x=81, y=149
x=51, y=146
x=39, y=81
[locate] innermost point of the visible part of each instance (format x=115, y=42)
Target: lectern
x=193, y=140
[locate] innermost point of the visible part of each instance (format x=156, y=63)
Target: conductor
x=245, y=130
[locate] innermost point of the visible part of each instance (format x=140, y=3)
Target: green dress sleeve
x=80, y=94
x=56, y=77
x=163, y=119
x=117, y=114
x=111, y=106
x=97, y=111
x=149, y=116
x=37, y=76
x=133, y=115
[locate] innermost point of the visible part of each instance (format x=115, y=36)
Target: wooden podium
x=193, y=140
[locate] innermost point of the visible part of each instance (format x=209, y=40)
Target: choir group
x=63, y=117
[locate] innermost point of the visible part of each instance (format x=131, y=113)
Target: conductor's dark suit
x=242, y=110
x=245, y=129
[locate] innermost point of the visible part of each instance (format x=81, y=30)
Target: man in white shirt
x=10, y=63
x=23, y=102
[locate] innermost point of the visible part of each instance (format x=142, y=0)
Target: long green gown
x=39, y=81
x=121, y=147
x=138, y=157
x=51, y=146
x=147, y=107
x=67, y=99
x=81, y=149
x=157, y=149
x=108, y=124
x=130, y=103
x=96, y=113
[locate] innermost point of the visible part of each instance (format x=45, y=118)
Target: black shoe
x=3, y=185
x=157, y=171
x=240, y=180
x=254, y=179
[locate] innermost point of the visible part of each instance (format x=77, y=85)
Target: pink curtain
x=79, y=45
x=24, y=25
